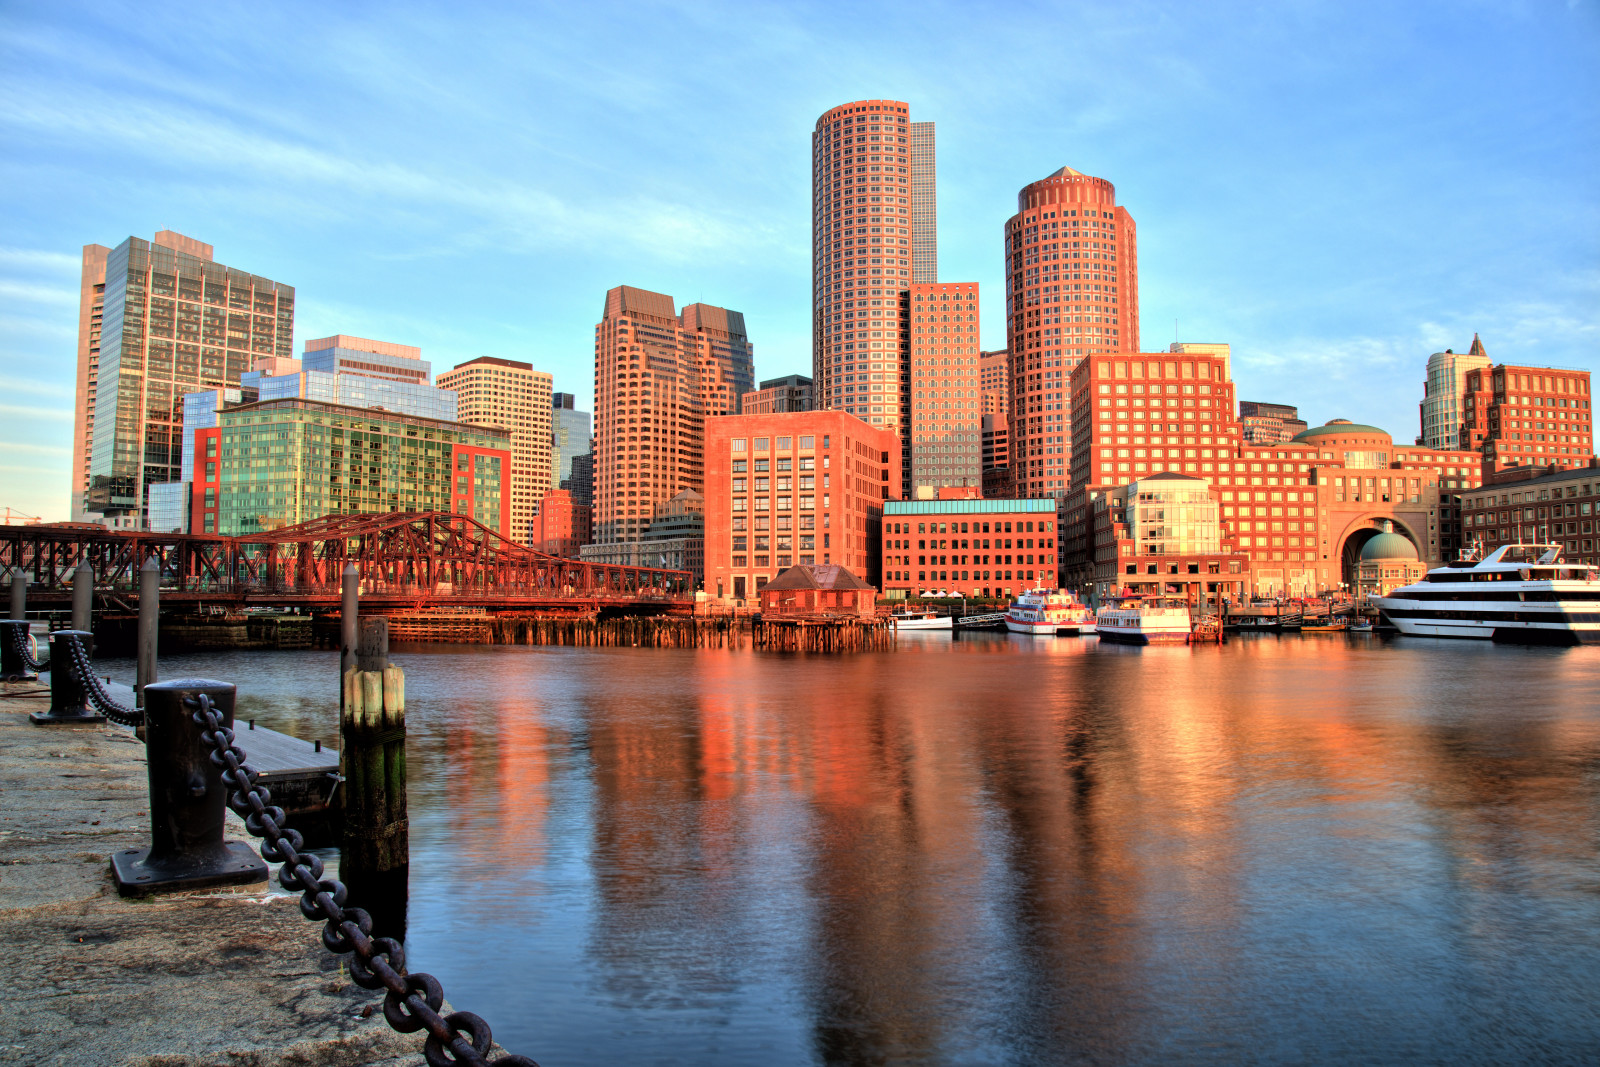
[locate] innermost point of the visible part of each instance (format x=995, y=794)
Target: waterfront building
x=945, y=425
x=1163, y=535
x=562, y=526
x=283, y=462
x=818, y=589
x=1072, y=291
x=158, y=320
x=863, y=248
x=1560, y=506
x=801, y=487
x=512, y=395
x=1443, y=395
x=1387, y=562
x=1520, y=416
x=994, y=382
x=793, y=392
x=1268, y=424
x=968, y=547
x=571, y=436
x=658, y=375
x=1300, y=509
x=924, y=203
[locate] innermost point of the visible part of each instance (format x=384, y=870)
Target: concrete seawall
x=217, y=976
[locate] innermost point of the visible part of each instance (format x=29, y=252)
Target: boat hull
x=1141, y=637
x=1556, y=631
x=1049, y=629
x=944, y=623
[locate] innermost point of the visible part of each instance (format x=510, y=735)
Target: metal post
x=19, y=593
x=69, y=702
x=13, y=639
x=187, y=800
x=149, y=623
x=83, y=597
x=349, y=611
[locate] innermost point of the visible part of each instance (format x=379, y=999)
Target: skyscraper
x=168, y=321
x=924, y=204
x=1442, y=393
x=862, y=251
x=946, y=430
x=657, y=375
x=1072, y=290
x=509, y=393
x=570, y=433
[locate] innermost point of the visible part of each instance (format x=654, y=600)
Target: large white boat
x=1143, y=620
x=1046, y=613
x=920, y=619
x=1521, y=593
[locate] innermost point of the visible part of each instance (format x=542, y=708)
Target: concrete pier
x=216, y=976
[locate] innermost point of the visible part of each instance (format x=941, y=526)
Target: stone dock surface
x=232, y=977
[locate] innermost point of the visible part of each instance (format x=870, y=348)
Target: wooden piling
x=375, y=849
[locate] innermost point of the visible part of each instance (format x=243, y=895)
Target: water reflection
x=1003, y=850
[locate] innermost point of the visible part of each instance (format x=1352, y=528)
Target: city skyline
x=1334, y=221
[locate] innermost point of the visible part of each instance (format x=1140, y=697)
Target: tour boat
x=1520, y=593
x=1045, y=613
x=1143, y=620
x=920, y=619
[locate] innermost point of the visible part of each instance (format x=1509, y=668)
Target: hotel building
x=658, y=375
x=782, y=489
x=863, y=252
x=157, y=320
x=975, y=548
x=1443, y=394
x=1528, y=416
x=1072, y=291
x=945, y=424
x=512, y=395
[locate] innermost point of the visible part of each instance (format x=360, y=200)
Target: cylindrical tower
x=861, y=252
x=1072, y=290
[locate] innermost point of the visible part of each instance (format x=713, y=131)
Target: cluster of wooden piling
x=823, y=633
x=657, y=631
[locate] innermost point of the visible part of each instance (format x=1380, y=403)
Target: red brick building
x=1072, y=291
x=793, y=488
x=1560, y=507
x=1528, y=416
x=561, y=527
x=818, y=589
x=969, y=547
x=945, y=428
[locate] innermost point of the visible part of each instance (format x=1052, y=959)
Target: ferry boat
x=1144, y=620
x=920, y=619
x=1045, y=613
x=1521, y=593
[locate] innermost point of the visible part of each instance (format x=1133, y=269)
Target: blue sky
x=1337, y=189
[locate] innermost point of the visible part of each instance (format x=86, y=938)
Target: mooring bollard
x=149, y=624
x=375, y=855
x=187, y=800
x=69, y=699
x=14, y=665
x=19, y=594
x=83, y=597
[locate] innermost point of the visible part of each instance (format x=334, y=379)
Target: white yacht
x=1046, y=613
x=908, y=618
x=1521, y=593
x=1144, y=620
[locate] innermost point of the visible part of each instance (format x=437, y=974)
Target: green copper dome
x=1388, y=545
x=1337, y=426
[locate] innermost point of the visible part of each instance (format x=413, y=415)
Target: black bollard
x=69, y=700
x=13, y=639
x=188, y=802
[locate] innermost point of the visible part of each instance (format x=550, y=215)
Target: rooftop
x=816, y=576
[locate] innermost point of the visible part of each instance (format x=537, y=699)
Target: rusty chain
x=92, y=688
x=412, y=1001
x=19, y=642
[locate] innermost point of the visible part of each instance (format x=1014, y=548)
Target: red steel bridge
x=407, y=560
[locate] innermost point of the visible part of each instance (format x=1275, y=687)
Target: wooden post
x=149, y=625
x=83, y=598
x=376, y=852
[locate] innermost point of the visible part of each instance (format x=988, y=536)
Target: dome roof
x=1388, y=545
x=1337, y=426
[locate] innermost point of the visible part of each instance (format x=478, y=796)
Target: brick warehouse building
x=1300, y=510
x=972, y=547
x=1528, y=416
x=1560, y=508
x=790, y=488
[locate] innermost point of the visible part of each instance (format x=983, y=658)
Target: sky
x=1336, y=189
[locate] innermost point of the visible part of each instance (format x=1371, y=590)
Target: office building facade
x=945, y=427
x=658, y=375
x=512, y=395
x=1072, y=291
x=792, y=392
x=1520, y=416
x=571, y=432
x=924, y=203
x=170, y=321
x=966, y=547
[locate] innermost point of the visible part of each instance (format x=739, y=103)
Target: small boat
x=1143, y=620
x=920, y=619
x=1335, y=626
x=1046, y=613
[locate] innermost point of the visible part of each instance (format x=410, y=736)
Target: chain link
x=411, y=1001
x=19, y=642
x=92, y=688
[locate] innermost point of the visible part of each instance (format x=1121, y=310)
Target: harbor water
x=998, y=850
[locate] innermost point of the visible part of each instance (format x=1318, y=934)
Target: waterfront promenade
x=234, y=976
